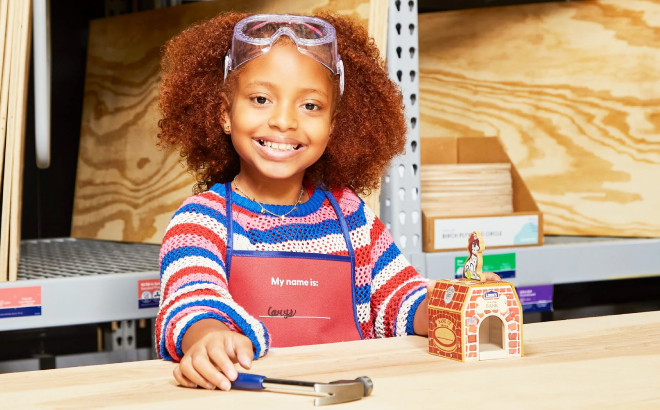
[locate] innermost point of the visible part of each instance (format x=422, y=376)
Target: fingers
x=188, y=367
x=239, y=349
x=430, y=285
x=221, y=360
x=209, y=371
x=244, y=351
x=181, y=379
x=492, y=276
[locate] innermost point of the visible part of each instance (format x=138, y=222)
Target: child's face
x=281, y=113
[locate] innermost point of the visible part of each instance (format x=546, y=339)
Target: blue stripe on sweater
x=210, y=212
x=238, y=320
x=362, y=294
x=410, y=320
x=282, y=233
x=292, y=232
x=388, y=256
x=179, y=253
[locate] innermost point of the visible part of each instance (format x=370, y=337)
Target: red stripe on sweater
x=191, y=228
x=392, y=308
x=162, y=312
x=191, y=270
x=390, y=286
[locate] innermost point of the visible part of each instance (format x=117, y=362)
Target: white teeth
x=279, y=147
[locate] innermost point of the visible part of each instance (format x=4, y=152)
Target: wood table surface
x=601, y=363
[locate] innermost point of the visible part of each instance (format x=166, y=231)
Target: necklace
x=266, y=211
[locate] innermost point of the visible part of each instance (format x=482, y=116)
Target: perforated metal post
x=400, y=207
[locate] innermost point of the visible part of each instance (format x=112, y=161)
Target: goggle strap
x=340, y=71
x=227, y=64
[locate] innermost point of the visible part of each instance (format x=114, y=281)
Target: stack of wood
x=15, y=30
x=466, y=189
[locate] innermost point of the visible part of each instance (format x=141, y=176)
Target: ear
x=225, y=117
x=332, y=121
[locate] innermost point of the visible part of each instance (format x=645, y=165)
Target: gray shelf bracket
x=400, y=200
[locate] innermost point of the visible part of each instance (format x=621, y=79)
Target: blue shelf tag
x=536, y=298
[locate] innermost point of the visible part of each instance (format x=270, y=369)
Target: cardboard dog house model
x=472, y=319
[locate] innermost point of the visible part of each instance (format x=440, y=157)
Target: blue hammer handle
x=246, y=381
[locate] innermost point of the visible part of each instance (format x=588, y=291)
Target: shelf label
x=452, y=233
x=23, y=301
x=504, y=264
x=536, y=298
x=148, y=293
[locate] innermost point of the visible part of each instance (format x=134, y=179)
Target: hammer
x=340, y=391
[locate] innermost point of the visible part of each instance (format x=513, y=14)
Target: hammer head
x=343, y=391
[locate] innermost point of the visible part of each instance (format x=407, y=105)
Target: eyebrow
x=273, y=86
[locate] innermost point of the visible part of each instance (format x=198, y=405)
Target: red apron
x=302, y=298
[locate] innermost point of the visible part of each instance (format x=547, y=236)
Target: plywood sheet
x=573, y=91
x=126, y=188
x=12, y=177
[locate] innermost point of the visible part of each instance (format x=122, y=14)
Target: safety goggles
x=314, y=37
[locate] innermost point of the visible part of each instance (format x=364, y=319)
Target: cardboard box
x=523, y=227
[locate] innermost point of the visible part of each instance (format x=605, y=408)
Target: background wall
x=48, y=194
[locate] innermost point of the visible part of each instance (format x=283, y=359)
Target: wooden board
x=607, y=362
x=573, y=91
x=16, y=196
x=466, y=189
x=126, y=188
x=4, y=13
x=6, y=29
x=9, y=93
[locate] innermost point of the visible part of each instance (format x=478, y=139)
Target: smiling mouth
x=278, y=146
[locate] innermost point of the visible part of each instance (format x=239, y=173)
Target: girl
x=283, y=119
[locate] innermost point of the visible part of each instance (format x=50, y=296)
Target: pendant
x=263, y=211
x=282, y=217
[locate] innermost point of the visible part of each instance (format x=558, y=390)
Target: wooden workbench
x=601, y=363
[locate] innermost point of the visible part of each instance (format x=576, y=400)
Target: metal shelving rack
x=560, y=260
x=83, y=281
x=86, y=281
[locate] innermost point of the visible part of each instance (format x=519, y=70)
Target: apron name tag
x=285, y=313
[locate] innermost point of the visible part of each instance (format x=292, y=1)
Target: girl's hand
x=492, y=276
x=210, y=350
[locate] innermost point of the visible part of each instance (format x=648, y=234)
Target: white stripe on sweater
x=254, y=324
x=388, y=272
x=188, y=261
x=404, y=311
x=223, y=293
x=259, y=331
x=199, y=219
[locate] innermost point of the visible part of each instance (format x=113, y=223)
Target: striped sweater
x=194, y=281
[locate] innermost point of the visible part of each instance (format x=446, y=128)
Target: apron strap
x=349, y=245
x=230, y=230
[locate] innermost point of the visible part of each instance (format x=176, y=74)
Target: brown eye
x=261, y=100
x=311, y=107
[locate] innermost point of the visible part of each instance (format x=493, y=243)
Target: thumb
x=430, y=285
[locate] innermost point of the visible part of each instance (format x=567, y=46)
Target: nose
x=283, y=118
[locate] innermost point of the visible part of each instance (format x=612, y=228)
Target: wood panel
x=597, y=363
x=573, y=91
x=15, y=81
x=8, y=9
x=126, y=188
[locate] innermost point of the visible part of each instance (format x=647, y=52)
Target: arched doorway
x=491, y=338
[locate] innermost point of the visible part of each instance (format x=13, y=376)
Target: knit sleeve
x=396, y=288
x=193, y=279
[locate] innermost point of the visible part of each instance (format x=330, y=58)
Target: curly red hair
x=369, y=123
